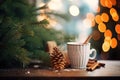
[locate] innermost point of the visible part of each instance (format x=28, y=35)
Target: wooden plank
x=111, y=69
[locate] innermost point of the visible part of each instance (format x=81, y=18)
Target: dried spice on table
x=94, y=64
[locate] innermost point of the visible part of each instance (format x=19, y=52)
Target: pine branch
x=43, y=7
x=63, y=16
x=43, y=23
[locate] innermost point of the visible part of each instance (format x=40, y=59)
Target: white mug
x=79, y=54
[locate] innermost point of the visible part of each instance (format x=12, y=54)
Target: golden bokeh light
x=106, y=46
x=113, y=2
x=115, y=18
x=114, y=14
x=117, y=28
x=108, y=33
x=102, y=2
x=113, y=43
x=98, y=19
x=112, y=11
x=104, y=17
x=96, y=35
x=102, y=27
x=108, y=3
x=108, y=39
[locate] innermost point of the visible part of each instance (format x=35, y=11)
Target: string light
x=108, y=33
x=104, y=17
x=113, y=43
x=74, y=10
x=102, y=27
x=98, y=19
x=117, y=28
x=106, y=46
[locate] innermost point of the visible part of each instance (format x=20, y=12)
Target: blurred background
x=27, y=25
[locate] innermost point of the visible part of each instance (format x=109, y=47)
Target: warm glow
x=108, y=33
x=74, y=10
x=98, y=19
x=106, y=46
x=102, y=2
x=102, y=27
x=117, y=28
x=96, y=35
x=108, y=39
x=104, y=17
x=108, y=3
x=114, y=14
x=113, y=43
x=113, y=2
x=116, y=18
x=112, y=11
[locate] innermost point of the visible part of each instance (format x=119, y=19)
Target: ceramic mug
x=79, y=54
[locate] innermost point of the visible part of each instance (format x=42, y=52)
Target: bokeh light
x=113, y=43
x=74, y=10
x=108, y=33
x=108, y=39
x=113, y=11
x=53, y=3
x=98, y=19
x=106, y=46
x=108, y=3
x=114, y=14
x=102, y=2
x=113, y=2
x=104, y=17
x=107, y=21
x=117, y=28
x=102, y=27
x=116, y=18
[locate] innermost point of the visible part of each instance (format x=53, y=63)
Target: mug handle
x=94, y=53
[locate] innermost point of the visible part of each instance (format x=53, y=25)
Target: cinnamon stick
x=93, y=64
x=87, y=40
x=93, y=67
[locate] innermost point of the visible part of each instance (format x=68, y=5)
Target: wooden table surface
x=111, y=69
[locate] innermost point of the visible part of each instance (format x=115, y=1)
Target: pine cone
x=57, y=59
